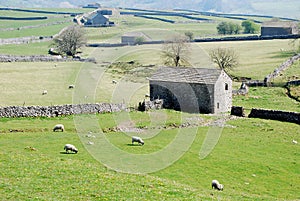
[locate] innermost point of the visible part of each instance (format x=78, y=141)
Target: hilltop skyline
x=289, y=8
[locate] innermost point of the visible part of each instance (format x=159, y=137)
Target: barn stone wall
x=276, y=31
x=186, y=97
x=222, y=98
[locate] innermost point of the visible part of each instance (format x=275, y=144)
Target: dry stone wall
x=59, y=110
x=292, y=117
x=42, y=58
x=26, y=40
x=281, y=68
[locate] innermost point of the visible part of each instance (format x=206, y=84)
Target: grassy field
x=265, y=167
x=55, y=78
x=257, y=59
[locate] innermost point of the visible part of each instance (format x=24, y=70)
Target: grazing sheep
x=216, y=185
x=295, y=142
x=137, y=139
x=114, y=81
x=45, y=92
x=59, y=127
x=70, y=147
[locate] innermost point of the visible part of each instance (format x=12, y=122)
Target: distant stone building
x=278, y=28
x=195, y=90
x=97, y=18
x=131, y=38
x=92, y=5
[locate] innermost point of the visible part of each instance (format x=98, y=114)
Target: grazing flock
x=70, y=148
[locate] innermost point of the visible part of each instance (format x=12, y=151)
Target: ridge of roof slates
x=188, y=75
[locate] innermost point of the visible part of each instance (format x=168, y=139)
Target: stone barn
x=131, y=38
x=278, y=28
x=97, y=18
x=194, y=90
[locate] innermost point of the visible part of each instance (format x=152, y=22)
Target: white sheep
x=70, y=147
x=114, y=81
x=216, y=185
x=59, y=127
x=45, y=92
x=294, y=142
x=137, y=139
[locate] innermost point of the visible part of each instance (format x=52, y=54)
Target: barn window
x=226, y=86
x=218, y=105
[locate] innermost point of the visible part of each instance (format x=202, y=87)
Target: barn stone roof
x=95, y=14
x=187, y=75
x=284, y=24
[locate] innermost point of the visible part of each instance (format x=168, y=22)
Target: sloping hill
x=287, y=8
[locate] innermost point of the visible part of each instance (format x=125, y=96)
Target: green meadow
x=255, y=159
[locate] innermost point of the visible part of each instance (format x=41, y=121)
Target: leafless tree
x=176, y=51
x=70, y=39
x=225, y=58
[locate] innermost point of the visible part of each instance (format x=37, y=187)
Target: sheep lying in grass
x=59, y=127
x=70, y=147
x=216, y=185
x=137, y=139
x=30, y=148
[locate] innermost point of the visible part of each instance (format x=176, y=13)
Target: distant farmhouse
x=195, y=90
x=97, y=18
x=278, y=28
x=92, y=5
x=132, y=38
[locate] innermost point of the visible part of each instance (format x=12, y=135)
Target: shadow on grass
x=134, y=145
x=63, y=152
x=283, y=54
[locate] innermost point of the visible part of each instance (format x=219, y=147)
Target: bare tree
x=175, y=51
x=70, y=39
x=225, y=58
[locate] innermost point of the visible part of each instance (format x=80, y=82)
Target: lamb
x=137, y=139
x=70, y=147
x=59, y=127
x=45, y=92
x=216, y=185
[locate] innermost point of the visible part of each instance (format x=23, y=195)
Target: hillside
x=255, y=159
x=266, y=7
